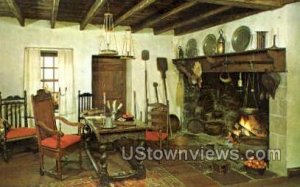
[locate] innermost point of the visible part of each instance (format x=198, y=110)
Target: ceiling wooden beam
x=225, y=19
x=284, y=2
x=153, y=20
x=254, y=4
x=92, y=12
x=54, y=11
x=14, y=8
x=138, y=7
x=195, y=19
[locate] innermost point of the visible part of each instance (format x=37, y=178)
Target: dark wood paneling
x=109, y=76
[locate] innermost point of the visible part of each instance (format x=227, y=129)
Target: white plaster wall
x=283, y=22
x=15, y=38
x=293, y=79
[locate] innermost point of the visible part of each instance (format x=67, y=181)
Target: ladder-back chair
x=14, y=121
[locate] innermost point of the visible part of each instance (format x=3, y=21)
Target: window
x=49, y=74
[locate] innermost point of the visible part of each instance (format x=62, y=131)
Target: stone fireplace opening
x=226, y=115
x=225, y=109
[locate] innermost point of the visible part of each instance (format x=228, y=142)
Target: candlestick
x=104, y=98
x=104, y=103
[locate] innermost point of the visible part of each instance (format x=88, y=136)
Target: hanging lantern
x=109, y=35
x=108, y=22
x=127, y=50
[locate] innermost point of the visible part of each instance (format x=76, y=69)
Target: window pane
x=48, y=61
x=48, y=74
x=55, y=62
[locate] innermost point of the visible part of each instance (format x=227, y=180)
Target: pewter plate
x=241, y=38
x=210, y=44
x=191, y=48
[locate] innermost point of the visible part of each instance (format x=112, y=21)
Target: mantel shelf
x=262, y=60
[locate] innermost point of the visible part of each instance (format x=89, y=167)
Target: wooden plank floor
x=23, y=170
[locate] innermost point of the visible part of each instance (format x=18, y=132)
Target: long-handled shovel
x=162, y=66
x=145, y=57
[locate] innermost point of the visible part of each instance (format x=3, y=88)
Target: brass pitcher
x=221, y=43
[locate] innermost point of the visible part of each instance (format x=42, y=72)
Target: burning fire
x=252, y=126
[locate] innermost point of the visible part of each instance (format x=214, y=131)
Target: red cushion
x=14, y=133
x=154, y=135
x=65, y=141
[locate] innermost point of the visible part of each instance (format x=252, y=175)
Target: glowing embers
x=251, y=126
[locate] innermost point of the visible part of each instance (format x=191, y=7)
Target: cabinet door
x=109, y=76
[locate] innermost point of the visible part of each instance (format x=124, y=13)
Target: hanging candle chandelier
x=127, y=50
x=109, y=38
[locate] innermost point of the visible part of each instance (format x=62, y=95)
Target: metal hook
x=251, y=65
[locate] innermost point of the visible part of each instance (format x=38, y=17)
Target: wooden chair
x=84, y=103
x=14, y=121
x=158, y=119
x=52, y=142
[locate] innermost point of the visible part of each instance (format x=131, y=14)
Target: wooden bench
x=14, y=122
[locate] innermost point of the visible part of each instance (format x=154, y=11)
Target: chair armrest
x=4, y=128
x=50, y=131
x=67, y=122
x=73, y=124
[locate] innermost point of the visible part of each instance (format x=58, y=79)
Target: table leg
x=104, y=177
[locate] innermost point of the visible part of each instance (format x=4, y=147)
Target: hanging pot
x=248, y=109
x=225, y=77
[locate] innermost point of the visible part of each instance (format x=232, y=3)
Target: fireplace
x=217, y=114
x=214, y=107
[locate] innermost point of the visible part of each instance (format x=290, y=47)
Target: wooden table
x=94, y=130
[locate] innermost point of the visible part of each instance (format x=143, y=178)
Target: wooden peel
x=162, y=66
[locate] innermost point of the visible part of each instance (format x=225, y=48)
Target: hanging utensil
x=225, y=76
x=250, y=104
x=260, y=90
x=240, y=83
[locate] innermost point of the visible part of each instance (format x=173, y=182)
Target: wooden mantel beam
x=153, y=20
x=54, y=11
x=138, y=7
x=14, y=8
x=92, y=12
x=191, y=21
x=254, y=4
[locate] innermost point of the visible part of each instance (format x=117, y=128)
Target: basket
x=255, y=171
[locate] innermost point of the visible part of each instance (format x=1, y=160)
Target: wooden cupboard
x=109, y=77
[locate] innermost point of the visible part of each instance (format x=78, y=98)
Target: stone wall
x=278, y=127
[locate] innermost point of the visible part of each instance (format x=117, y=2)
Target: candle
x=104, y=98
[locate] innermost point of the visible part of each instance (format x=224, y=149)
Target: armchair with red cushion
x=14, y=122
x=51, y=140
